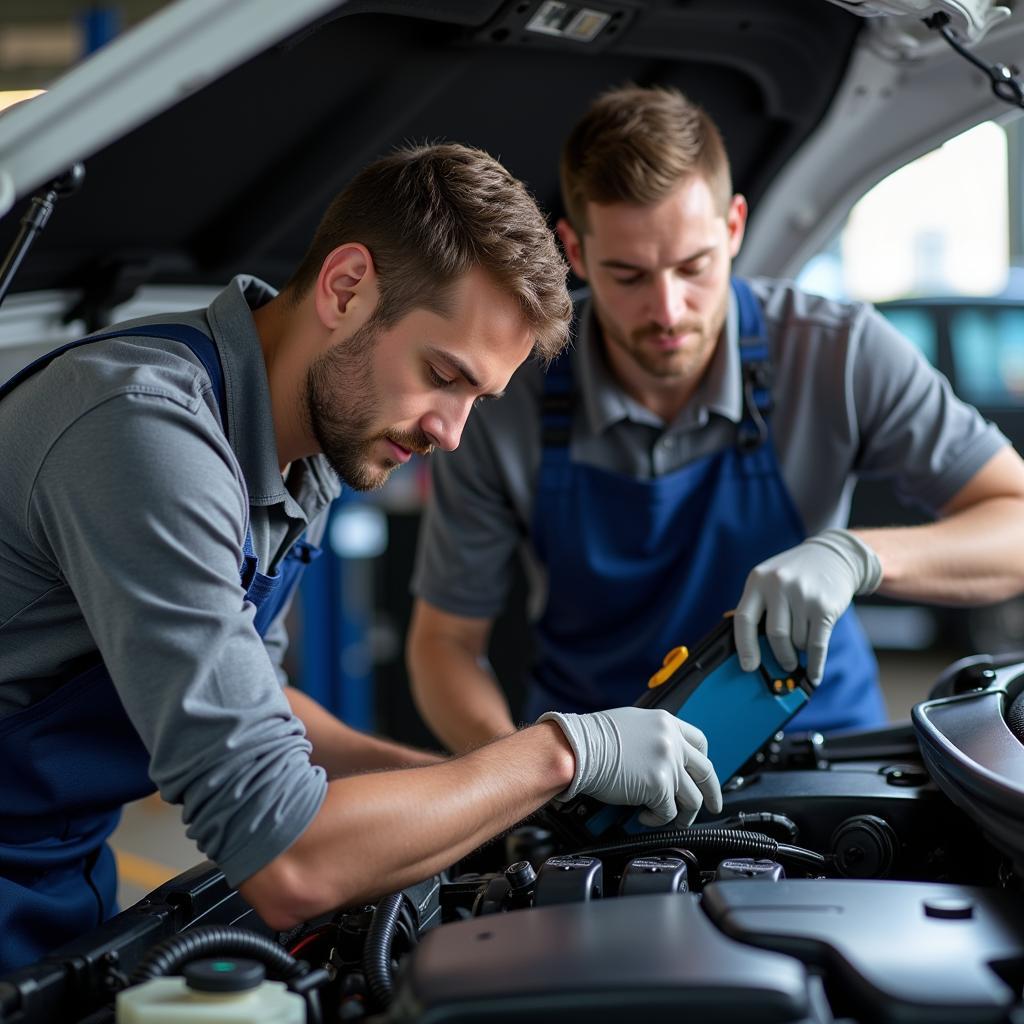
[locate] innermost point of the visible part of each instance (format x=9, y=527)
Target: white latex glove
x=641, y=757
x=802, y=592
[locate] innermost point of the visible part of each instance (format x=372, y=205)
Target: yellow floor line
x=140, y=871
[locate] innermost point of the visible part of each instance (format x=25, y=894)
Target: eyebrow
x=453, y=362
x=625, y=265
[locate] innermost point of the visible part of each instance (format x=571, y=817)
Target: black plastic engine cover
x=907, y=951
x=602, y=961
x=933, y=839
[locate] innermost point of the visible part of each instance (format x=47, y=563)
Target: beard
x=686, y=364
x=341, y=404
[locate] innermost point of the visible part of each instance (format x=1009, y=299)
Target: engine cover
x=599, y=961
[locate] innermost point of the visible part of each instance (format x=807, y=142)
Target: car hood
x=235, y=174
x=214, y=134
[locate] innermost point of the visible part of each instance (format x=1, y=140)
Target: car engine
x=860, y=877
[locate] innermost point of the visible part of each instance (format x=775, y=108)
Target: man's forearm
x=461, y=701
x=975, y=556
x=341, y=750
x=379, y=832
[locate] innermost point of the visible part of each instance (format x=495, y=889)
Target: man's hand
x=802, y=592
x=641, y=757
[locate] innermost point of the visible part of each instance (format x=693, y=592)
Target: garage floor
x=151, y=845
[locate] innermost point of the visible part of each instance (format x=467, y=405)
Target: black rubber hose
x=759, y=821
x=169, y=956
x=715, y=841
x=377, y=950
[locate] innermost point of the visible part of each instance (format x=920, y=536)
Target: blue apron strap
x=755, y=358
x=558, y=399
x=197, y=342
x=304, y=551
x=201, y=346
x=556, y=411
x=271, y=593
x=250, y=563
x=556, y=404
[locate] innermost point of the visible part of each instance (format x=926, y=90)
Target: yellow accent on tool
x=669, y=664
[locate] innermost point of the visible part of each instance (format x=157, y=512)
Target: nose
x=668, y=299
x=444, y=425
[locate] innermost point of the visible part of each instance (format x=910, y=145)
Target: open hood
x=235, y=175
x=214, y=134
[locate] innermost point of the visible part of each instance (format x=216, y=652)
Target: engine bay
x=860, y=877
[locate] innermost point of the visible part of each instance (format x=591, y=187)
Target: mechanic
x=695, y=453
x=164, y=484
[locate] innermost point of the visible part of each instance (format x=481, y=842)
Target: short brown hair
x=430, y=214
x=636, y=145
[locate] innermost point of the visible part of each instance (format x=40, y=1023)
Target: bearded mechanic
x=166, y=480
x=695, y=453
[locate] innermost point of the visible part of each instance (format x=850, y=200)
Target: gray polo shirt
x=122, y=519
x=853, y=398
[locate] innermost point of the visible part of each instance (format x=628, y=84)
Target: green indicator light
x=223, y=966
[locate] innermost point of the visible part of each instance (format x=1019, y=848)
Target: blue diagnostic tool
x=737, y=711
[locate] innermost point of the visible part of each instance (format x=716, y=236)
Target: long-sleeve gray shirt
x=123, y=514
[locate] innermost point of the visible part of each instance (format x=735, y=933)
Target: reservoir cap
x=223, y=974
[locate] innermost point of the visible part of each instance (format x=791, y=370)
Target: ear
x=736, y=223
x=346, y=290
x=572, y=243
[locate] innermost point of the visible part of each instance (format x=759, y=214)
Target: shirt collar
x=250, y=421
x=606, y=403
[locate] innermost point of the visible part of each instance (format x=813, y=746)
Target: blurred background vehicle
x=937, y=245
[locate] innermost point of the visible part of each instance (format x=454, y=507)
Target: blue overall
x=637, y=567
x=69, y=762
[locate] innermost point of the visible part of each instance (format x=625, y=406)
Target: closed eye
x=437, y=380
x=695, y=267
x=460, y=374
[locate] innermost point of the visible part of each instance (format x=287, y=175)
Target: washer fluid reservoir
x=225, y=990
